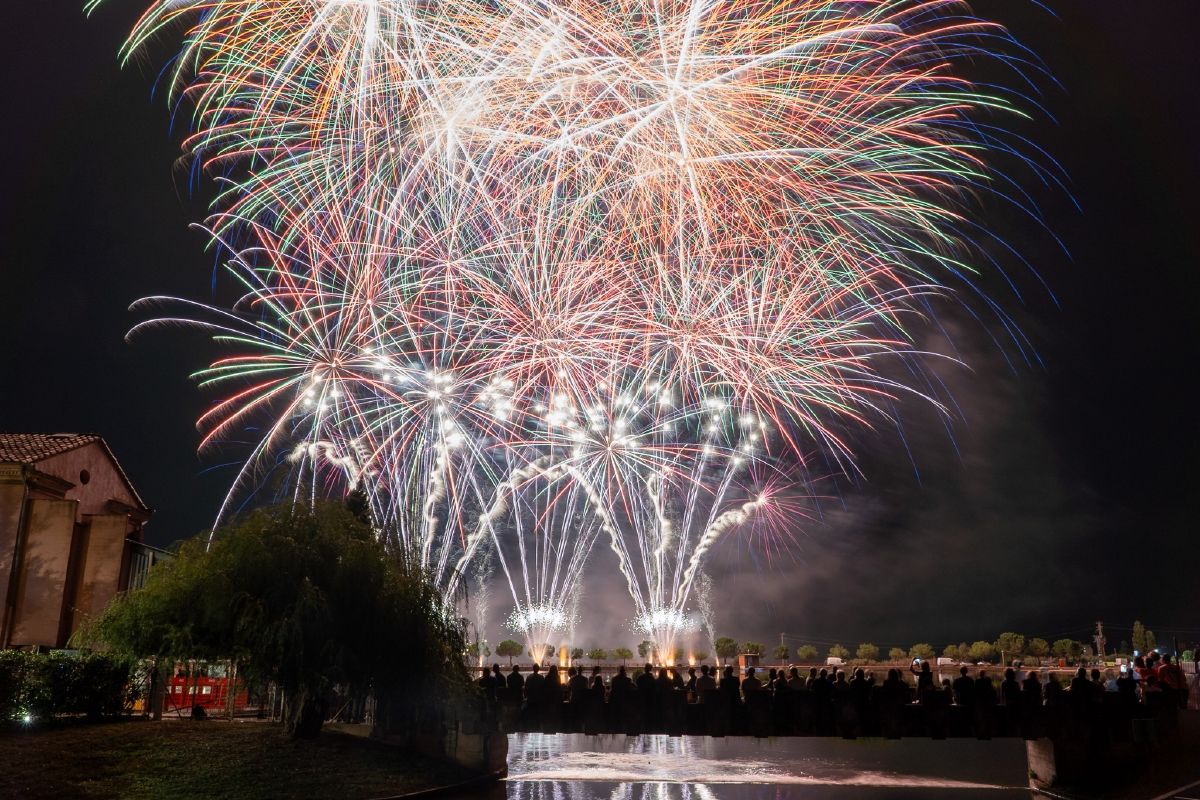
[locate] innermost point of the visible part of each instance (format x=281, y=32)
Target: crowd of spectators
x=831, y=701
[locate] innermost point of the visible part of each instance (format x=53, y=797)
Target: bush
x=46, y=685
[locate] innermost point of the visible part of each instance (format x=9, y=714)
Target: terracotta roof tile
x=30, y=448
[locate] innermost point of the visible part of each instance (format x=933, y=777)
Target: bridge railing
x=876, y=713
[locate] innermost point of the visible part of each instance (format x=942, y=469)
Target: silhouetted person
x=1052, y=692
x=894, y=689
x=577, y=684
x=497, y=676
x=751, y=683
x=677, y=680
x=985, y=692
x=487, y=683
x=1173, y=681
x=705, y=682
x=692, y=680
x=964, y=688
x=1031, y=689
x=860, y=687
x=646, y=693
x=822, y=690
x=515, y=679
x=730, y=684
x=812, y=678
x=1081, y=687
x=1010, y=690
x=534, y=685
x=662, y=684
x=772, y=675
x=924, y=678
x=622, y=685
x=645, y=680
x=1127, y=686
x=553, y=680
x=597, y=679
x=795, y=682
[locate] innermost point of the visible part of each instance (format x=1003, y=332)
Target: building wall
x=104, y=481
x=75, y=548
x=12, y=495
x=101, y=557
x=43, y=577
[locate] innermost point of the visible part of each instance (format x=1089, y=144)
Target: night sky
x=1063, y=493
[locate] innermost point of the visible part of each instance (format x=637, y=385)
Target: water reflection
x=577, y=767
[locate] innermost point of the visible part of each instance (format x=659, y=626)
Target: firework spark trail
x=469, y=232
x=485, y=526
x=726, y=522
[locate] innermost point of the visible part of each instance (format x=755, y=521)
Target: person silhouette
x=515, y=679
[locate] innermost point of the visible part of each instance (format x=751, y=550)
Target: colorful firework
x=595, y=269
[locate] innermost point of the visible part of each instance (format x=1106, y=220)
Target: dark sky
x=1066, y=494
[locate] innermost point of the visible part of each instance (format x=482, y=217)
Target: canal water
x=578, y=767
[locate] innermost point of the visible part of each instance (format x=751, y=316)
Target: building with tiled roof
x=70, y=534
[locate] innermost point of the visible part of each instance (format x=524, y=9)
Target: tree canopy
x=923, y=651
x=509, y=649
x=308, y=599
x=725, y=647
x=867, y=652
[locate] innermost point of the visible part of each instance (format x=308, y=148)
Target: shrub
x=46, y=685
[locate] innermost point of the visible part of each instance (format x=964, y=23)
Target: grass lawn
x=211, y=759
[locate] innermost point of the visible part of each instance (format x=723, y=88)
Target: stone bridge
x=1069, y=740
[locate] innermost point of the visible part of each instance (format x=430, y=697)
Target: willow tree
x=308, y=599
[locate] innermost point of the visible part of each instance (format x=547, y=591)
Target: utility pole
x=1098, y=637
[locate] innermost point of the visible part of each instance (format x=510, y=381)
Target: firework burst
x=535, y=276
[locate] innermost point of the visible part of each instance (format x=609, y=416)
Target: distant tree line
x=1007, y=647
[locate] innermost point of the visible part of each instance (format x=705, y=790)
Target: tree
x=752, y=648
x=781, y=652
x=623, y=653
x=923, y=651
x=308, y=600
x=1151, y=642
x=597, y=654
x=867, y=652
x=1039, y=648
x=509, y=649
x=837, y=651
x=951, y=651
x=1012, y=645
x=1123, y=649
x=700, y=656
x=982, y=651
x=679, y=656
x=806, y=653
x=576, y=653
x=1067, y=649
x=897, y=654
x=725, y=647
x=645, y=648
x=1139, y=638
